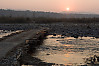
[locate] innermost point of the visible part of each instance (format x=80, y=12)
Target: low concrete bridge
x=14, y=47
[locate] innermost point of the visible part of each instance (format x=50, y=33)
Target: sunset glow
x=68, y=9
x=52, y=5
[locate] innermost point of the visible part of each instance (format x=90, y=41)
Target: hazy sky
x=91, y=6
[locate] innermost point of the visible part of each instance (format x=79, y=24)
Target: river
x=67, y=50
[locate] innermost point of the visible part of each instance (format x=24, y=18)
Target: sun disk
x=68, y=9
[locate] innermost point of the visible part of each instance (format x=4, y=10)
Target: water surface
x=7, y=32
x=67, y=50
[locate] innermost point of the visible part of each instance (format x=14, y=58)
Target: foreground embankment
x=15, y=47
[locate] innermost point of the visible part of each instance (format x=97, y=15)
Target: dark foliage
x=14, y=20
x=47, y=20
x=67, y=20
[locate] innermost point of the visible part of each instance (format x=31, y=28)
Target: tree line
x=47, y=20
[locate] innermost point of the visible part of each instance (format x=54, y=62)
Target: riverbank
x=16, y=46
x=68, y=29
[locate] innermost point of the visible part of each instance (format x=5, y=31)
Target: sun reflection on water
x=67, y=50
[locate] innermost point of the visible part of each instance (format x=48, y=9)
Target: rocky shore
x=68, y=29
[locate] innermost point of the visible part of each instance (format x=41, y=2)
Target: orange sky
x=52, y=5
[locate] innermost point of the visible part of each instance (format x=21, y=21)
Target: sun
x=67, y=9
